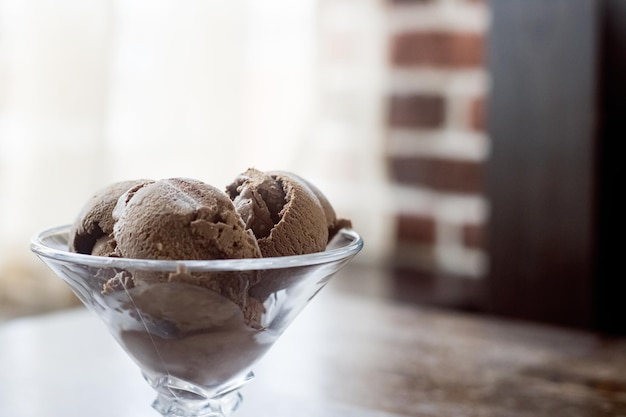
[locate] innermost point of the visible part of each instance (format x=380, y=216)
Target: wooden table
x=344, y=356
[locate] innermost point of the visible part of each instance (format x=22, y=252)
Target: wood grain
x=542, y=170
x=344, y=356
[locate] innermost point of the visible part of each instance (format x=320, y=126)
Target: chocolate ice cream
x=92, y=230
x=173, y=219
x=204, y=327
x=180, y=218
x=288, y=215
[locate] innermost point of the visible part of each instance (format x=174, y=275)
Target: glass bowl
x=195, y=328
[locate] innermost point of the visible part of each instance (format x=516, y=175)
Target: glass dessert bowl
x=195, y=328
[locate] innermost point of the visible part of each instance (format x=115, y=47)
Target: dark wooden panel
x=610, y=277
x=541, y=173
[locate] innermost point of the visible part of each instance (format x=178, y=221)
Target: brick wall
x=436, y=144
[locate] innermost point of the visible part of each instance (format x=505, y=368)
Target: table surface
x=343, y=356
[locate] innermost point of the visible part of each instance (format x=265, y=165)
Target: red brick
x=416, y=111
x=449, y=175
x=477, y=116
x=474, y=236
x=415, y=228
x=439, y=49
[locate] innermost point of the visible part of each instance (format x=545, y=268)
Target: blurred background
x=331, y=89
x=381, y=103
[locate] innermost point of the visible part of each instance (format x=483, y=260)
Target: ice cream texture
x=265, y=214
x=92, y=230
x=288, y=215
x=209, y=324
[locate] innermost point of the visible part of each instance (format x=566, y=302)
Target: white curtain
x=103, y=90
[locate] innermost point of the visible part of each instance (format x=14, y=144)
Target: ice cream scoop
x=180, y=218
x=288, y=215
x=171, y=219
x=92, y=230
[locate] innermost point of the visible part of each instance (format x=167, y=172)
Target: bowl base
x=178, y=398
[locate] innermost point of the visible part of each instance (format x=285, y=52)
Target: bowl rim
x=39, y=246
